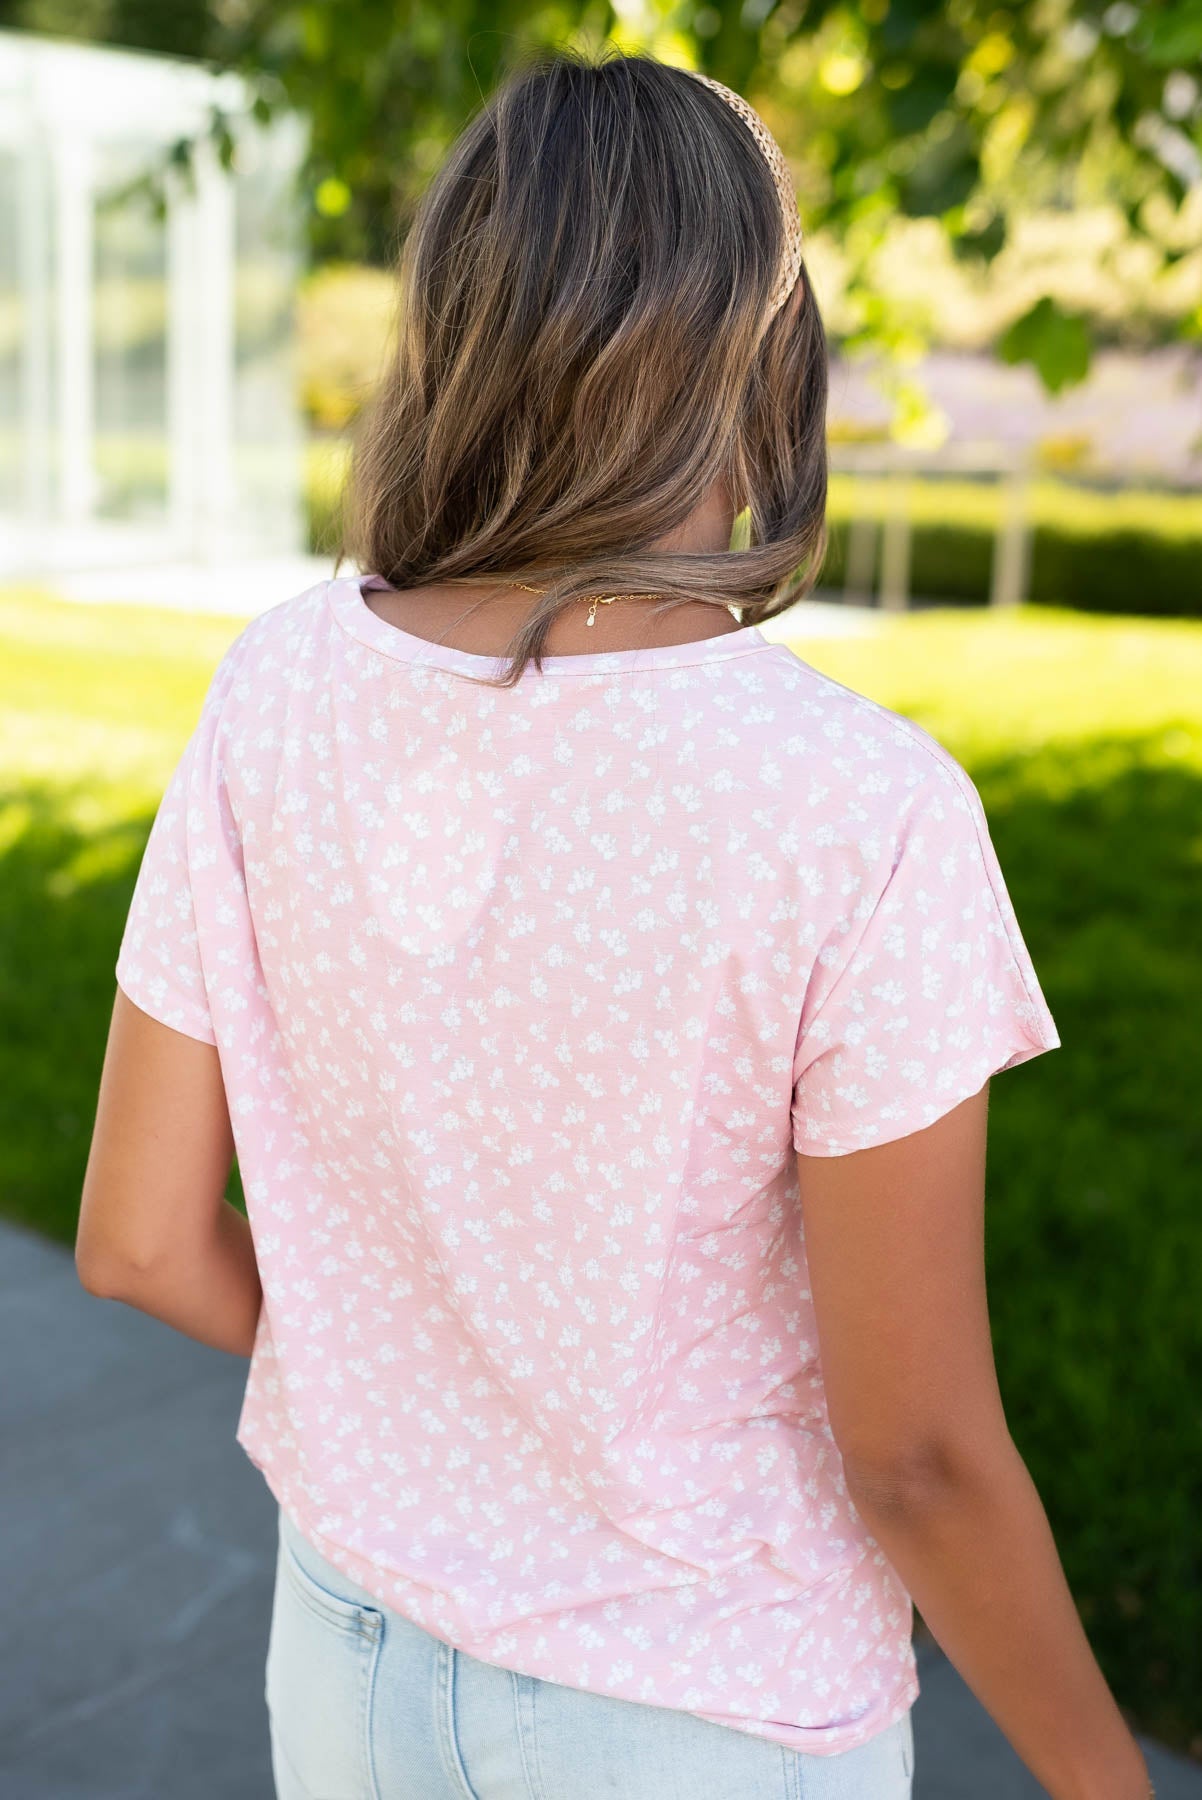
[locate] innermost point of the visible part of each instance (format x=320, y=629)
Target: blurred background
x=200, y=206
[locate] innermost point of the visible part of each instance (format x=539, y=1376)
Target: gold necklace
x=600, y=599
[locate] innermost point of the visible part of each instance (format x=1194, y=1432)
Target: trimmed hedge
x=1120, y=571
x=1124, y=553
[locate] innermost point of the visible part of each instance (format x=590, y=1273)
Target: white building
x=148, y=406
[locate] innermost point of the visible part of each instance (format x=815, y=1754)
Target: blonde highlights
x=581, y=353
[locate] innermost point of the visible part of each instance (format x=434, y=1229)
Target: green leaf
x=1057, y=343
x=985, y=242
x=1172, y=35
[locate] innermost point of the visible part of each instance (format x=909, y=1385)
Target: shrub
x=1127, y=552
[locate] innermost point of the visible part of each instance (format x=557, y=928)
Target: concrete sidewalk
x=137, y=1557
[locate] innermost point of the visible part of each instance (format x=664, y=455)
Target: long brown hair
x=580, y=355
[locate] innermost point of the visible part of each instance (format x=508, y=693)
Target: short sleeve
x=161, y=962
x=935, y=993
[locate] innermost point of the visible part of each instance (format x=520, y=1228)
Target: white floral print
x=524, y=1001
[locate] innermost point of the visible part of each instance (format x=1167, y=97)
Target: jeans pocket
x=322, y=1653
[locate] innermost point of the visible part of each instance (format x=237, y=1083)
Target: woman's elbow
x=917, y=1476
x=109, y=1271
x=95, y=1273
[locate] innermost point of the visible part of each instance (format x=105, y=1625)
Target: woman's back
x=525, y=999
x=551, y=1005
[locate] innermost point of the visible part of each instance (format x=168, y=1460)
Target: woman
x=602, y=1004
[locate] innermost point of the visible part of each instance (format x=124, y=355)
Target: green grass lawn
x=1084, y=736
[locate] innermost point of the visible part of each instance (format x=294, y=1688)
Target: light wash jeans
x=365, y=1705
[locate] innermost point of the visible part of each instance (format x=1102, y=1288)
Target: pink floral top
x=525, y=1000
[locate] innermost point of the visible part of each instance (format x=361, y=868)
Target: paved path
x=136, y=1564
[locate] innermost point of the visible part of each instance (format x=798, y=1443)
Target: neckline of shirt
x=346, y=598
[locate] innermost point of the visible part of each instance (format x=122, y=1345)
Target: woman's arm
x=895, y=1242
x=155, y=1228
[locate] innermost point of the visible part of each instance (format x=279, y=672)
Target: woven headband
x=779, y=169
